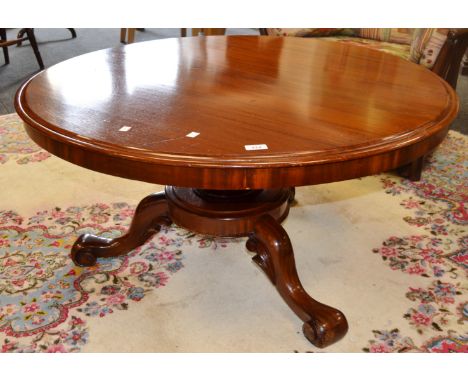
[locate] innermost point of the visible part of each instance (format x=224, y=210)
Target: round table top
x=238, y=111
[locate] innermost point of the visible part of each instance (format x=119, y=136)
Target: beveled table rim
x=53, y=138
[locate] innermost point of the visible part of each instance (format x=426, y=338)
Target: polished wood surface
x=323, y=325
x=151, y=213
x=225, y=213
x=253, y=213
x=326, y=111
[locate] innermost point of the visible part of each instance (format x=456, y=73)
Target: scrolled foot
x=326, y=331
x=323, y=325
x=84, y=258
x=87, y=248
x=251, y=244
x=151, y=213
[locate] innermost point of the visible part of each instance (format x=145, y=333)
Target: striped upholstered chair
x=440, y=50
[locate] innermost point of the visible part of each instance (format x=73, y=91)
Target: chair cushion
x=400, y=50
x=427, y=44
x=309, y=32
x=419, y=45
x=396, y=35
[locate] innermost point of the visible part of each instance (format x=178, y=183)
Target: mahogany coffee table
x=232, y=125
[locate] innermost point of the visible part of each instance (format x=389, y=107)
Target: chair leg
x=464, y=70
x=214, y=31
x=123, y=35
x=72, y=31
x=20, y=35
x=131, y=35
x=5, y=48
x=32, y=40
x=6, y=55
x=412, y=171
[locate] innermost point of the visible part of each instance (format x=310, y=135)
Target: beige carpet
x=389, y=253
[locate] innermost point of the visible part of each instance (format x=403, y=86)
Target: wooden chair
x=5, y=43
x=207, y=31
x=130, y=33
x=23, y=31
x=464, y=70
x=440, y=50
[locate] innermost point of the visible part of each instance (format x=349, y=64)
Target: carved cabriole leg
x=323, y=325
x=151, y=213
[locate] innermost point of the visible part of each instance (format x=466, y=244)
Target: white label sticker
x=193, y=134
x=125, y=128
x=256, y=147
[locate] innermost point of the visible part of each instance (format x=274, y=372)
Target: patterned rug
x=390, y=253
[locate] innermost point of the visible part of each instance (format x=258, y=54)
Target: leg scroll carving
x=323, y=325
x=151, y=213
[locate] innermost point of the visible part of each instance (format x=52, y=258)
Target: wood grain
x=227, y=215
x=323, y=325
x=150, y=214
x=326, y=111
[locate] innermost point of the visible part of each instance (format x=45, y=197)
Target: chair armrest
x=458, y=33
x=449, y=59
